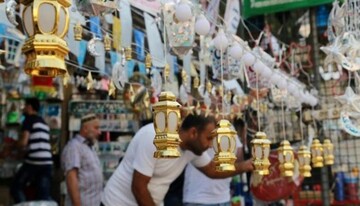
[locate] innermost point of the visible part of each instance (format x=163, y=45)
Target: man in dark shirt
x=35, y=140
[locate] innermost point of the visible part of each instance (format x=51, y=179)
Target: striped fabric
x=39, y=148
x=78, y=154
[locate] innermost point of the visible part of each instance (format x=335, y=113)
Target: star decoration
x=89, y=81
x=198, y=109
x=112, y=89
x=239, y=114
x=350, y=100
x=335, y=54
x=189, y=109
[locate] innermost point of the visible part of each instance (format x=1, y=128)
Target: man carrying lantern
x=141, y=179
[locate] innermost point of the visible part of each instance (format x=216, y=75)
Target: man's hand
x=245, y=166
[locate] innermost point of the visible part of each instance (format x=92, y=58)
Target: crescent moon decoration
x=119, y=75
x=92, y=46
x=183, y=94
x=156, y=81
x=347, y=125
x=10, y=11
x=201, y=90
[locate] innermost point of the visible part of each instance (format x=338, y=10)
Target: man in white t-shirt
x=202, y=190
x=141, y=179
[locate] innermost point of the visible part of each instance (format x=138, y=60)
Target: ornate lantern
x=128, y=55
x=46, y=23
x=260, y=153
x=224, y=146
x=166, y=114
x=196, y=82
x=107, y=42
x=316, y=153
x=328, y=152
x=166, y=72
x=286, y=159
x=208, y=87
x=78, y=32
x=304, y=156
x=148, y=60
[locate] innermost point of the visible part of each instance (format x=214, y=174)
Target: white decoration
x=183, y=11
x=248, y=59
x=236, y=51
x=220, y=41
x=202, y=25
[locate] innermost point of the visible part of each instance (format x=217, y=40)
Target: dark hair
x=238, y=123
x=198, y=121
x=33, y=102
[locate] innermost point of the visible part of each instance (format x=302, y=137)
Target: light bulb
x=236, y=51
x=220, y=41
x=183, y=11
x=248, y=59
x=202, y=26
x=258, y=66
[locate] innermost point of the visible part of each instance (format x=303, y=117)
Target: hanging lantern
x=107, y=42
x=167, y=72
x=316, y=153
x=166, y=115
x=328, y=152
x=46, y=23
x=128, y=53
x=304, y=156
x=148, y=61
x=224, y=146
x=260, y=153
x=286, y=159
x=228, y=96
x=196, y=82
x=78, y=32
x=208, y=87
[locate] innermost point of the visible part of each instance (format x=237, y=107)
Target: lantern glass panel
x=232, y=143
x=281, y=158
x=326, y=151
x=172, y=122
x=288, y=157
x=307, y=160
x=225, y=143
x=62, y=22
x=301, y=160
x=266, y=152
x=318, y=152
x=160, y=121
x=258, y=151
x=215, y=145
x=28, y=21
x=47, y=17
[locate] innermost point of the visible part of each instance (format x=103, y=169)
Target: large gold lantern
x=166, y=114
x=46, y=22
x=304, y=157
x=224, y=146
x=260, y=153
x=328, y=152
x=286, y=159
x=316, y=153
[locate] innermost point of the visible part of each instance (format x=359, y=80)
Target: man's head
x=195, y=133
x=90, y=127
x=32, y=106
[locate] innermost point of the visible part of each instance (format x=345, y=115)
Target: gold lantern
x=260, y=153
x=208, y=87
x=196, y=82
x=46, y=23
x=316, y=153
x=328, y=152
x=107, y=42
x=128, y=53
x=304, y=157
x=166, y=114
x=224, y=146
x=78, y=32
x=148, y=61
x=167, y=72
x=286, y=159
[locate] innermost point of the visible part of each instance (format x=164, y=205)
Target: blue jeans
x=38, y=175
x=198, y=204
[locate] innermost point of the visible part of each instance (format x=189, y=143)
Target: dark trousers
x=38, y=175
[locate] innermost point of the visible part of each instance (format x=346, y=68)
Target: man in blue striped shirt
x=35, y=139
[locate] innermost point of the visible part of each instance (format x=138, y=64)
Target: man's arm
x=72, y=183
x=24, y=139
x=140, y=190
x=240, y=167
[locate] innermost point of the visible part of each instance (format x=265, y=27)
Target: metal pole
x=325, y=190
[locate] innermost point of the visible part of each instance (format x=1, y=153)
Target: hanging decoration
x=95, y=7
x=91, y=46
x=347, y=125
x=328, y=152
x=10, y=10
x=89, y=81
x=317, y=154
x=78, y=32
x=304, y=157
x=112, y=88
x=128, y=53
x=286, y=159
x=148, y=61
x=107, y=42
x=224, y=146
x=260, y=153
x=166, y=114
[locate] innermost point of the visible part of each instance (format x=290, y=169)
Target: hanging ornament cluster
x=224, y=146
